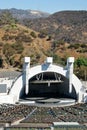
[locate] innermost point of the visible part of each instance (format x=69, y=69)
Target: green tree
x=81, y=62
x=81, y=68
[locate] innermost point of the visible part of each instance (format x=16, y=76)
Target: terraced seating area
x=44, y=128
x=31, y=114
x=10, y=113
x=70, y=128
x=75, y=113
x=42, y=114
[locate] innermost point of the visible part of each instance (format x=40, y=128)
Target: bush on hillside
x=21, y=37
x=74, y=46
x=81, y=62
x=18, y=47
x=42, y=34
x=33, y=34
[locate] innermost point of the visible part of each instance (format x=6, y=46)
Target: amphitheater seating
x=11, y=113
x=31, y=114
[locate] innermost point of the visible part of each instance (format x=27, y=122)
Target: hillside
x=69, y=26
x=20, y=14
x=17, y=41
x=60, y=35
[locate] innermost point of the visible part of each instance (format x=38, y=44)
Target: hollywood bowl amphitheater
x=45, y=96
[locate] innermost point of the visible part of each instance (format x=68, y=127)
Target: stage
x=47, y=102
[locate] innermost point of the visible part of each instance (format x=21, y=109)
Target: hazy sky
x=49, y=6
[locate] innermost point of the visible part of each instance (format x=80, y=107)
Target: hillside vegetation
x=69, y=26
x=17, y=41
x=21, y=14
x=61, y=35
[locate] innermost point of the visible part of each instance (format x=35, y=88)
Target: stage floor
x=45, y=101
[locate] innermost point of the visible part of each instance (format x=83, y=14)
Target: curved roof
x=18, y=86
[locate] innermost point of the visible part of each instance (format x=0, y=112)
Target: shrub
x=83, y=45
x=1, y=44
x=8, y=50
x=81, y=62
x=75, y=46
x=58, y=59
x=5, y=37
x=18, y=47
x=42, y=34
x=33, y=34
x=81, y=73
x=23, y=38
